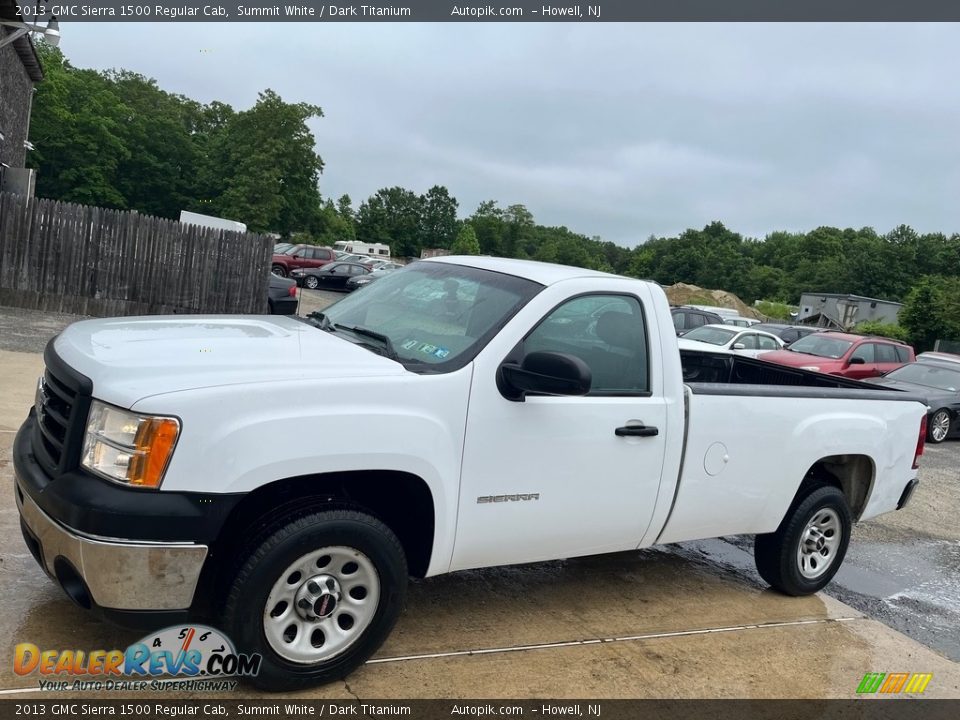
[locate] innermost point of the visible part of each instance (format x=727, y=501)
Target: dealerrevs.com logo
x=195, y=657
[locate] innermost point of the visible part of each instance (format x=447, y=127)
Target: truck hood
x=799, y=359
x=129, y=359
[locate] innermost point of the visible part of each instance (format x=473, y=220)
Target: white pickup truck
x=282, y=478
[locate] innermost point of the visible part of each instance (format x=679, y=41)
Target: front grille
x=63, y=400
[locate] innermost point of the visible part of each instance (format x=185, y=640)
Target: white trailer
x=377, y=250
x=192, y=218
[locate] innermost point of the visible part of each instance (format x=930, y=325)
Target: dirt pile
x=683, y=294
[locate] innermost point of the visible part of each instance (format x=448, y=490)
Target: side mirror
x=739, y=346
x=857, y=361
x=544, y=373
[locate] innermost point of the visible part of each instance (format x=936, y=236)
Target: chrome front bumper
x=117, y=574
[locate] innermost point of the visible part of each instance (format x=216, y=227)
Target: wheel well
x=400, y=500
x=853, y=474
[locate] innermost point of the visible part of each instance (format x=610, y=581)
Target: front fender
x=237, y=439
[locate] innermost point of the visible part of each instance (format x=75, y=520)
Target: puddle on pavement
x=928, y=571
x=913, y=587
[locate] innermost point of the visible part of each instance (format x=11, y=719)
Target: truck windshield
x=436, y=316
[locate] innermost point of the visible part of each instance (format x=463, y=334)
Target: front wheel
x=316, y=597
x=806, y=551
x=938, y=427
x=311, y=282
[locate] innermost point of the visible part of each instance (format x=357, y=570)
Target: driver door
x=551, y=477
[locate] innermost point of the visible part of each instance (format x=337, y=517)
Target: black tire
x=279, y=270
x=311, y=282
x=778, y=554
x=264, y=564
x=935, y=424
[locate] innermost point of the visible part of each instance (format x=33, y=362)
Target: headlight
x=127, y=447
x=815, y=368
x=296, y=272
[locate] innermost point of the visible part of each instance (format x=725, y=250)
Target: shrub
x=877, y=327
x=775, y=310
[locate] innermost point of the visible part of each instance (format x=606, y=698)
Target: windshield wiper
x=383, y=339
x=321, y=321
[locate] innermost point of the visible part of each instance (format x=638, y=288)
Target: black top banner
x=497, y=11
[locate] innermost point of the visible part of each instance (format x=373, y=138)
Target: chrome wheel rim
x=818, y=543
x=321, y=604
x=311, y=282
x=939, y=425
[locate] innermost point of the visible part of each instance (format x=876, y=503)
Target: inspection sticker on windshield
x=426, y=348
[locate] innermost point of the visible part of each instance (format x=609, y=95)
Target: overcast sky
x=617, y=130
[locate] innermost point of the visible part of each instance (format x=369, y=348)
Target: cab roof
x=540, y=272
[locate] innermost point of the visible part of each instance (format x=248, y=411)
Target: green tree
x=392, y=216
x=487, y=221
x=77, y=130
x=438, y=222
x=267, y=155
x=466, y=242
x=931, y=312
x=333, y=226
x=883, y=329
x=158, y=175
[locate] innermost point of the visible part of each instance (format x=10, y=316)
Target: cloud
x=615, y=130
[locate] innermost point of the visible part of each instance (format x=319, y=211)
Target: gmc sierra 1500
x=283, y=478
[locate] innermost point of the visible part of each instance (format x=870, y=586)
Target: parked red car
x=851, y=356
x=301, y=256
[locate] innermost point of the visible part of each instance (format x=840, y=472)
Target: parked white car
x=939, y=357
x=740, y=321
x=742, y=341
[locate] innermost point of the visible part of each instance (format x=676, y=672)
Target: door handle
x=636, y=431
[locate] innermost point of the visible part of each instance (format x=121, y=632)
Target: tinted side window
x=902, y=354
x=695, y=320
x=678, y=323
x=766, y=343
x=886, y=353
x=749, y=341
x=865, y=351
x=607, y=332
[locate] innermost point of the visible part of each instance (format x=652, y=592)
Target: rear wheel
x=316, y=597
x=806, y=551
x=938, y=427
x=279, y=270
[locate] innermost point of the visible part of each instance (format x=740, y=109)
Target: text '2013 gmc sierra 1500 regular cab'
x=283, y=478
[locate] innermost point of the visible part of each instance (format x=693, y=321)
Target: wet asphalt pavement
x=902, y=569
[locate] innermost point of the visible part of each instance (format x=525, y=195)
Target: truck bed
x=705, y=368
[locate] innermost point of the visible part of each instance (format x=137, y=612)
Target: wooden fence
x=92, y=261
